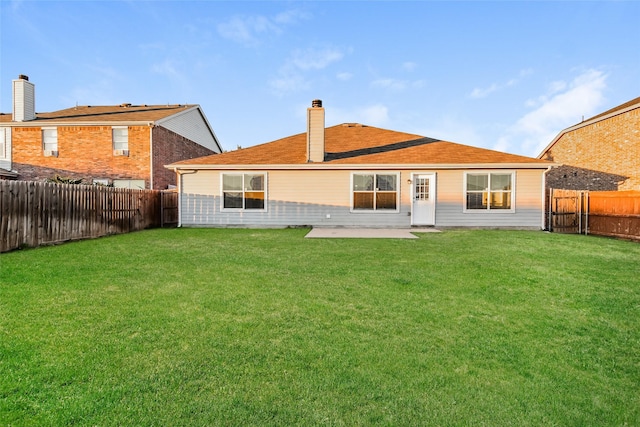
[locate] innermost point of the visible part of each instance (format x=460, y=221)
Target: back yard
x=262, y=327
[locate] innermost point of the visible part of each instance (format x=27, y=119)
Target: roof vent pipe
x=316, y=103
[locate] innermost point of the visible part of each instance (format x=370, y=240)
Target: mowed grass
x=263, y=327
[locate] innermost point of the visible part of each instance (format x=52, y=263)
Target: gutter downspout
x=180, y=173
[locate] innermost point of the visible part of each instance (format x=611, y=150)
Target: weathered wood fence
x=37, y=213
x=603, y=213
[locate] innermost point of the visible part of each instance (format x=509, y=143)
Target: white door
x=423, y=208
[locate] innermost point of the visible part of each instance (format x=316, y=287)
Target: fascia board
x=51, y=123
x=363, y=166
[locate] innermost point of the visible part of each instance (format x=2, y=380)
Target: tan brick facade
x=603, y=154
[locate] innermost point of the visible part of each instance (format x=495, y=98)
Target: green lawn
x=263, y=327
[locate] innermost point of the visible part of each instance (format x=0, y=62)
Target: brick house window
x=120, y=138
x=50, y=142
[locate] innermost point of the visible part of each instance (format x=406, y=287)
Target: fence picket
x=36, y=213
x=603, y=213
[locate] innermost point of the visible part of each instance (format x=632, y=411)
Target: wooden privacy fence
x=603, y=213
x=37, y=213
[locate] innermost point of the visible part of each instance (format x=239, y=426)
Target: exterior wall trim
x=314, y=166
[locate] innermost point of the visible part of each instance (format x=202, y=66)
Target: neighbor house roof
x=620, y=109
x=124, y=113
x=356, y=144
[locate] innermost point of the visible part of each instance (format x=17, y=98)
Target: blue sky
x=506, y=75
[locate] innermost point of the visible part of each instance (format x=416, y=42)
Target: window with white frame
x=487, y=191
x=374, y=192
x=4, y=143
x=50, y=141
x=244, y=191
x=120, y=136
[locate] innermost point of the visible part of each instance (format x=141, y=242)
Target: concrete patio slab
x=367, y=233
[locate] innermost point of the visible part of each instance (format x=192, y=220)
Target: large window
x=120, y=136
x=243, y=191
x=50, y=142
x=489, y=191
x=375, y=192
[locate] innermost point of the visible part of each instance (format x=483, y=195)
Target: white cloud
x=344, y=76
x=290, y=17
x=396, y=84
x=288, y=83
x=291, y=76
x=374, y=115
x=393, y=84
x=484, y=92
x=167, y=68
x=245, y=30
x=317, y=59
x=409, y=66
x=248, y=30
x=565, y=107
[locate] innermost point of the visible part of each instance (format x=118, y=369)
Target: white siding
x=5, y=148
x=451, y=198
x=192, y=125
x=24, y=100
x=322, y=198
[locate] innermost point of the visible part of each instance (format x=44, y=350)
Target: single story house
x=352, y=175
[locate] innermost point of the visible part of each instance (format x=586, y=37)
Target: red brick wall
x=169, y=147
x=83, y=152
x=599, y=156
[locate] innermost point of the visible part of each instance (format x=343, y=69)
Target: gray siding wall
x=322, y=198
x=191, y=125
x=529, y=205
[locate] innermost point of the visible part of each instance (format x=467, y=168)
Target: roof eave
x=53, y=122
x=343, y=166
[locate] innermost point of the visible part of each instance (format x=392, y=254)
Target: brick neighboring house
x=600, y=154
x=124, y=145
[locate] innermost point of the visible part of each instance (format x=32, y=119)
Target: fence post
x=586, y=220
x=550, y=226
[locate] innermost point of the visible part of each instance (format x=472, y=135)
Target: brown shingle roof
x=351, y=143
x=109, y=113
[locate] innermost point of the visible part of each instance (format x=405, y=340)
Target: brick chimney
x=315, y=132
x=24, y=99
